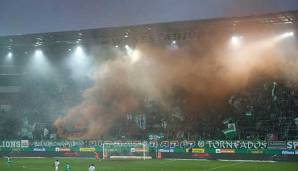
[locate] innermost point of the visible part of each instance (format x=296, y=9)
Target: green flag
x=230, y=132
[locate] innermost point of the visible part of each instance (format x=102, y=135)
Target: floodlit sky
x=36, y=16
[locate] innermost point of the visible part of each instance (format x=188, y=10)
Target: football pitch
x=78, y=164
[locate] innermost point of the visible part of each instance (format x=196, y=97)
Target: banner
x=87, y=149
x=277, y=145
x=292, y=144
x=49, y=143
x=10, y=144
x=174, y=145
x=288, y=152
x=24, y=143
x=225, y=151
x=233, y=144
x=198, y=150
x=59, y=149
x=166, y=150
x=39, y=149
x=138, y=150
x=256, y=151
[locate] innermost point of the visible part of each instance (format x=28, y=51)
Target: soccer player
x=91, y=167
x=67, y=167
x=8, y=162
x=56, y=164
x=96, y=156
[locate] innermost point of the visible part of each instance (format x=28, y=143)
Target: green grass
x=46, y=164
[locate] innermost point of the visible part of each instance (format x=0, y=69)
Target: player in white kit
x=56, y=164
x=91, y=167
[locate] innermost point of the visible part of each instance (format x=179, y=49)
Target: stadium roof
x=36, y=16
x=159, y=33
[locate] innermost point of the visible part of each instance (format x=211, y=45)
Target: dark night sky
x=35, y=16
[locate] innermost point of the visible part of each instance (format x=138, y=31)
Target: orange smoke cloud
x=166, y=75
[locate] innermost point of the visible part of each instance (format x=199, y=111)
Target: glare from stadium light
x=284, y=36
x=40, y=63
x=79, y=56
x=126, y=35
x=236, y=40
x=79, y=51
x=135, y=56
x=38, y=53
x=128, y=50
x=39, y=56
x=79, y=62
x=287, y=34
x=116, y=46
x=290, y=34
x=9, y=55
x=174, y=44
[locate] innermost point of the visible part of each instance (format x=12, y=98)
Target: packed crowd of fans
x=266, y=111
